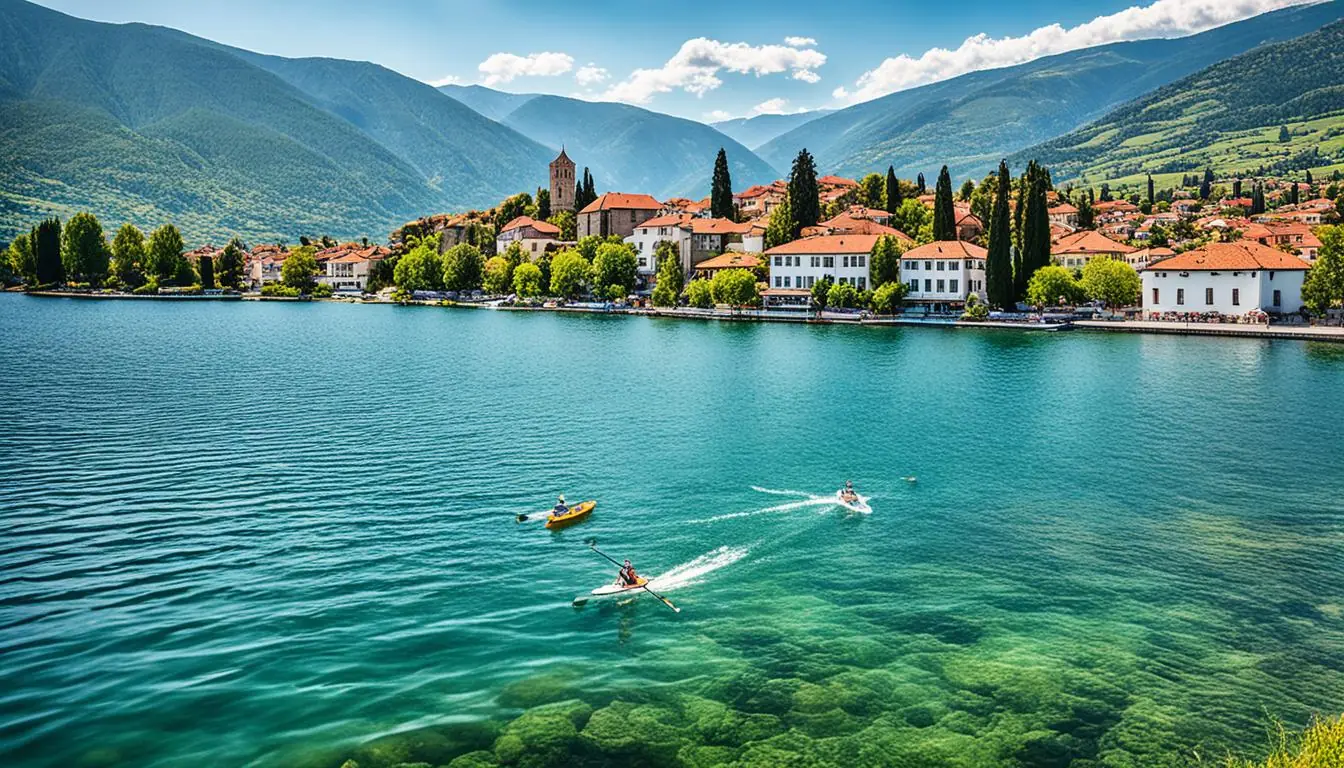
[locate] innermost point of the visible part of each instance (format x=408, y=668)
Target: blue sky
x=703, y=60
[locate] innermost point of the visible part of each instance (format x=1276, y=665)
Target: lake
x=284, y=534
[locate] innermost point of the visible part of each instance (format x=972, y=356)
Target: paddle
x=592, y=544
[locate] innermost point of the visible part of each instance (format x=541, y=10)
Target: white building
x=697, y=239
x=942, y=274
x=532, y=235
x=347, y=267
x=1227, y=278
x=801, y=263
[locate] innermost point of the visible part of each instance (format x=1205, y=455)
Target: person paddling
x=628, y=577
x=560, y=507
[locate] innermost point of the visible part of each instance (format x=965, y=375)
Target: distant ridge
x=753, y=132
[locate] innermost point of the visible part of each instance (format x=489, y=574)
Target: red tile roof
x=544, y=227
x=1089, y=241
x=622, y=201
x=837, y=181
x=827, y=244
x=1242, y=255
x=666, y=220
x=730, y=261
x=719, y=227
x=947, y=249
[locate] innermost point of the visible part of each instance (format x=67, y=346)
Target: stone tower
x=562, y=183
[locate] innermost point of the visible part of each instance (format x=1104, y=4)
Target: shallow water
x=281, y=534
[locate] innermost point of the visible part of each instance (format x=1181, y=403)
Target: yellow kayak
x=574, y=515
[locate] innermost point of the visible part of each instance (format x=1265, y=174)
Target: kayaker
x=849, y=494
x=560, y=507
x=628, y=577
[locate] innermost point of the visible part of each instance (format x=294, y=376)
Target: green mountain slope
x=754, y=132
x=495, y=105
x=628, y=149
x=150, y=125
x=1227, y=117
x=970, y=122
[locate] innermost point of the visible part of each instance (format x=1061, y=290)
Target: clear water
x=280, y=534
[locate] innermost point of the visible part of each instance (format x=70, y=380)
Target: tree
x=229, y=270
x=782, y=228
x=804, y=198
x=587, y=246
x=570, y=273
x=842, y=295
x=975, y=311
x=914, y=220
x=207, y=272
x=1052, y=285
x=699, y=294
x=164, y=252
x=884, y=264
x=83, y=249
x=919, y=183
x=1236, y=188
x=893, y=191
x=944, y=216
x=463, y=268
x=543, y=204
x=512, y=208
x=1204, y=189
x=1087, y=215
x=568, y=224
x=615, y=265
x=1257, y=201
x=527, y=281
x=1284, y=135
x=46, y=240
x=1105, y=193
x=821, y=291
x=721, y=188
x=300, y=269
x=1035, y=249
x=873, y=188
x=1324, y=286
x=671, y=278
x=999, y=262
x=22, y=259
x=421, y=269
x=585, y=191
x=967, y=189
x=735, y=287
x=1150, y=189
x=498, y=275
x=1112, y=282
x=887, y=297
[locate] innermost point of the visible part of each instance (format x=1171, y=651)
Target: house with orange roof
x=194, y=256
x=708, y=268
x=1064, y=214
x=836, y=182
x=762, y=199
x=969, y=226
x=616, y=213
x=535, y=237
x=942, y=274
x=801, y=263
x=1226, y=278
x=697, y=239
x=1144, y=256
x=854, y=222
x=264, y=263
x=1077, y=249
x=347, y=267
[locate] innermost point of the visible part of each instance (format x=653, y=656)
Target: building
x=562, y=183
x=761, y=200
x=697, y=239
x=264, y=263
x=1077, y=249
x=1226, y=278
x=1064, y=214
x=532, y=235
x=347, y=267
x=616, y=213
x=801, y=263
x=969, y=226
x=941, y=275
x=708, y=268
x=852, y=223
x=1142, y=258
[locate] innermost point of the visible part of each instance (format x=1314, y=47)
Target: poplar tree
x=804, y=198
x=999, y=261
x=944, y=216
x=1150, y=189
x=893, y=191
x=207, y=272
x=46, y=239
x=1035, y=229
x=919, y=182
x=721, y=190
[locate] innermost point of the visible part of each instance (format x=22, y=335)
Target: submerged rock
x=478, y=759
x=629, y=733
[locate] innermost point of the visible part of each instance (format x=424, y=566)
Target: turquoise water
x=281, y=534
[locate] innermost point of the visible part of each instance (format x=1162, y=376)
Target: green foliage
x=735, y=287
x=615, y=267
x=527, y=281
x=887, y=298
x=587, y=246
x=207, y=269
x=46, y=240
x=944, y=216
x=543, y=204
x=1324, y=286
x=1112, y=282
x=915, y=220
x=1053, y=285
x=463, y=268
x=892, y=194
x=671, y=278
x=976, y=310
x=164, y=252
x=513, y=207
x=721, y=188
x=498, y=275
x=873, y=191
x=322, y=291
x=229, y=270
x=884, y=265
x=967, y=189
x=513, y=255
x=150, y=288
x=781, y=228
x=699, y=294
x=270, y=289
x=1321, y=745
x=568, y=224
x=821, y=293
x=299, y=269
x=84, y=252
x=804, y=195
x=1035, y=247
x=843, y=295
x=421, y=269
x=570, y=273
x=22, y=258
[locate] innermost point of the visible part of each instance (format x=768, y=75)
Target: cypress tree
x=893, y=191
x=1257, y=200
x=944, y=216
x=1236, y=187
x=804, y=198
x=919, y=182
x=47, y=248
x=543, y=203
x=721, y=190
x=1035, y=248
x=207, y=272
x=1204, y=189
x=1150, y=189
x=999, y=262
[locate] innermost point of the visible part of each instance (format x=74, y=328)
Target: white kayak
x=858, y=505
x=617, y=590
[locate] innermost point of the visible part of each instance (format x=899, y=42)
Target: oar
x=592, y=544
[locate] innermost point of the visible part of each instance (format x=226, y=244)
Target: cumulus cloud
x=504, y=67
x=1162, y=18
x=718, y=116
x=590, y=75
x=799, y=42
x=447, y=80
x=775, y=106
x=696, y=66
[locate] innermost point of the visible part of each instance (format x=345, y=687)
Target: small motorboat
x=850, y=499
x=572, y=516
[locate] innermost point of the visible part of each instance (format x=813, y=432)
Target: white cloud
x=799, y=42
x=840, y=94
x=503, y=67
x=718, y=116
x=1162, y=18
x=807, y=76
x=590, y=75
x=447, y=80
x=696, y=65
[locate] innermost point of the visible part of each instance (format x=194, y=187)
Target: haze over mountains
x=151, y=125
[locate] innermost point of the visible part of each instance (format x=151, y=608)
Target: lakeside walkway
x=1296, y=332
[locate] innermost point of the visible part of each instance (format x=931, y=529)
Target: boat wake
x=692, y=572
x=808, y=500
x=775, y=492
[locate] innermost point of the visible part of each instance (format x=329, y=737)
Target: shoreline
x=1330, y=334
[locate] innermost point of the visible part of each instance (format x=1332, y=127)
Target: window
x=828, y=262
x=1180, y=295
x=928, y=266
x=953, y=266
x=779, y=281
x=863, y=261
x=1208, y=295
x=863, y=283
x=914, y=286
x=910, y=265
x=940, y=286
x=953, y=285
x=643, y=262
x=1236, y=297
x=816, y=261
x=788, y=282
x=1278, y=295
x=928, y=286
x=844, y=261
x=779, y=261
x=940, y=266
x=1155, y=297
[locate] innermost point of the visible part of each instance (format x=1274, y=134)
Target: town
x=1247, y=249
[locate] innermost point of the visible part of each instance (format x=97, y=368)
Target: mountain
x=487, y=101
x=972, y=121
x=1228, y=117
x=628, y=149
x=756, y=131
x=151, y=125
